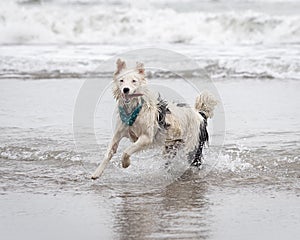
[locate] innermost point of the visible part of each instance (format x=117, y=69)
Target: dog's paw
x=125, y=160
x=94, y=177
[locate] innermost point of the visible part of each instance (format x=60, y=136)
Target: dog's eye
x=133, y=80
x=121, y=80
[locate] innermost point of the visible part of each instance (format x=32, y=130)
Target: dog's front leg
x=142, y=142
x=112, y=149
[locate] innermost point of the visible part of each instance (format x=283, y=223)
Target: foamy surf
x=110, y=24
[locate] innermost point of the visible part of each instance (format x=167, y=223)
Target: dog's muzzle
x=127, y=97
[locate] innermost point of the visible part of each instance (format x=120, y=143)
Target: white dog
x=149, y=121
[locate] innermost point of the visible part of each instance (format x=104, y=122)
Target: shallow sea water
x=253, y=184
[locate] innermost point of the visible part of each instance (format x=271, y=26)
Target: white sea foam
x=109, y=24
x=228, y=162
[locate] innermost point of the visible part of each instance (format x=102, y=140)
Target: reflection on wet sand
x=181, y=210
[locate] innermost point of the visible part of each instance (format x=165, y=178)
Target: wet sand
x=186, y=209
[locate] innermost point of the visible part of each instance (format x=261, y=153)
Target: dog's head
x=128, y=82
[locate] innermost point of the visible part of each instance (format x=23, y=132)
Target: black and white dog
x=149, y=121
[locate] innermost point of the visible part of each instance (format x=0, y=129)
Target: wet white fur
x=145, y=132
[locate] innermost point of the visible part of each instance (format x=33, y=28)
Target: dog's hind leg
x=143, y=142
x=112, y=149
x=196, y=155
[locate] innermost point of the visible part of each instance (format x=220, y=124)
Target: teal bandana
x=129, y=119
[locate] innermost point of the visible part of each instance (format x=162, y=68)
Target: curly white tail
x=206, y=103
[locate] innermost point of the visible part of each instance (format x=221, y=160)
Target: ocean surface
x=247, y=51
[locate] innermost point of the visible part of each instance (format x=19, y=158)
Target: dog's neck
x=131, y=106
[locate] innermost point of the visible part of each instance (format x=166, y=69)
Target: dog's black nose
x=125, y=90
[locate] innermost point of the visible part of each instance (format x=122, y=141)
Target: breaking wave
x=106, y=24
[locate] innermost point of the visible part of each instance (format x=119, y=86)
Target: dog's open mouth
x=128, y=97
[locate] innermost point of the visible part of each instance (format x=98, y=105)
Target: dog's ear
x=120, y=66
x=140, y=68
